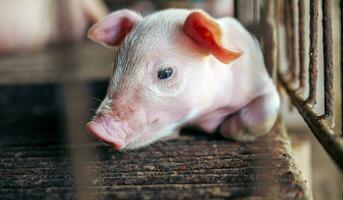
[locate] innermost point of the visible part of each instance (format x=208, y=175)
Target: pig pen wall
x=327, y=178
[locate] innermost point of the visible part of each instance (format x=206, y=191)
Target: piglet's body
x=181, y=67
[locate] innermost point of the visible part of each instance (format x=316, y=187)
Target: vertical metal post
x=256, y=11
x=301, y=12
x=328, y=61
x=236, y=7
x=292, y=41
x=341, y=70
x=313, y=52
x=341, y=5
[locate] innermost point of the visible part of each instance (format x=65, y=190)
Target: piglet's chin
x=107, y=130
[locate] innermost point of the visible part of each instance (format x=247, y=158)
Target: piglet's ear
x=111, y=30
x=207, y=33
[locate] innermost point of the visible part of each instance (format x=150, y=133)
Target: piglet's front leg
x=255, y=119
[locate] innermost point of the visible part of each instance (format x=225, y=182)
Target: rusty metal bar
x=293, y=66
x=291, y=38
x=302, y=75
x=333, y=144
x=312, y=99
x=288, y=32
x=269, y=35
x=328, y=61
x=274, y=19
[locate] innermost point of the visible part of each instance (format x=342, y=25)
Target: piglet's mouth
x=108, y=130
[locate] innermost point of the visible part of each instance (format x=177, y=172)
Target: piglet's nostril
x=99, y=129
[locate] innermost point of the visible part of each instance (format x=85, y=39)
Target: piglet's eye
x=164, y=73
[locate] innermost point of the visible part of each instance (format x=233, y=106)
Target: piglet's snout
x=108, y=130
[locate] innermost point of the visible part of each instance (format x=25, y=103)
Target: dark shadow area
x=33, y=114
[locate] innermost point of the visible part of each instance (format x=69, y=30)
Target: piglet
x=181, y=67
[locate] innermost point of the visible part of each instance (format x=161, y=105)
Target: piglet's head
x=161, y=79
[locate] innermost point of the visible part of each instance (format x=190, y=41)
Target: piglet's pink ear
x=112, y=30
x=206, y=32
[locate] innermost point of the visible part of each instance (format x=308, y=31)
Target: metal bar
x=286, y=19
x=291, y=39
x=273, y=71
x=256, y=7
x=269, y=36
x=341, y=70
x=302, y=75
x=236, y=7
x=75, y=119
x=312, y=99
x=254, y=11
x=328, y=61
x=292, y=42
x=288, y=33
x=333, y=144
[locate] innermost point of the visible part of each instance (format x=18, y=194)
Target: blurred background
x=52, y=78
